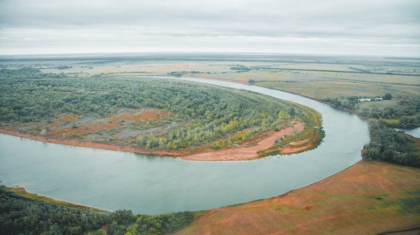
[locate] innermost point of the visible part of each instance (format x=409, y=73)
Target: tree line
x=20, y=215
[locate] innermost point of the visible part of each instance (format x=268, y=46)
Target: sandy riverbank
x=244, y=153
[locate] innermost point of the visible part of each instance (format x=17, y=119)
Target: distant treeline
x=20, y=215
x=27, y=73
x=240, y=68
x=181, y=73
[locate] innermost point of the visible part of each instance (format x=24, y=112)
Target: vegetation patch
x=239, y=68
x=388, y=145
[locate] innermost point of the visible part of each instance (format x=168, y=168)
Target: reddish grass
x=367, y=198
x=107, y=123
x=138, y=117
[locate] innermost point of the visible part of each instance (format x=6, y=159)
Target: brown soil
x=367, y=198
x=244, y=153
x=138, y=117
x=102, y=124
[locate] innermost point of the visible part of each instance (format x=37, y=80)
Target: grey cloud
x=199, y=22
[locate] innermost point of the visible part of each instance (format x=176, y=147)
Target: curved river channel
x=155, y=185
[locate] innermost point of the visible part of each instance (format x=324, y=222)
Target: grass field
x=367, y=198
x=316, y=77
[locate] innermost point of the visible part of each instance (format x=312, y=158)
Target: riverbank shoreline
x=307, y=200
x=217, y=154
x=89, y=144
x=325, y=204
x=33, y=196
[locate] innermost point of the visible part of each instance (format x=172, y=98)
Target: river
x=155, y=185
x=413, y=132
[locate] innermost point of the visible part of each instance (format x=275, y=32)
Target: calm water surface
x=413, y=132
x=154, y=185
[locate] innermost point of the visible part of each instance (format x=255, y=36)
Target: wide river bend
x=155, y=185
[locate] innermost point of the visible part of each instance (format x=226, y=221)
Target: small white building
x=369, y=99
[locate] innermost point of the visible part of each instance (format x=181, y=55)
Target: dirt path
x=244, y=153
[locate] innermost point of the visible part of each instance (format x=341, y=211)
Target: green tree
x=387, y=96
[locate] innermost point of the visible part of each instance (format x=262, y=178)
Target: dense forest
x=388, y=145
x=195, y=114
x=20, y=215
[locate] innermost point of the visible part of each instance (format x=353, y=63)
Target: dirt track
x=244, y=153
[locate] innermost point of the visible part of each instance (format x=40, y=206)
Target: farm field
x=317, y=77
x=367, y=198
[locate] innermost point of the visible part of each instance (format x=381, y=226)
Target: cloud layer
x=357, y=27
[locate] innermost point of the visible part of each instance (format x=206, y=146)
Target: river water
x=413, y=132
x=155, y=185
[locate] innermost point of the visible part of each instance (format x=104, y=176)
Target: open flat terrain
x=317, y=77
x=367, y=198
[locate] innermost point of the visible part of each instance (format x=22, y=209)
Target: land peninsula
x=153, y=116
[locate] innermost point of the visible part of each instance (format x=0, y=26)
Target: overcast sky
x=355, y=27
